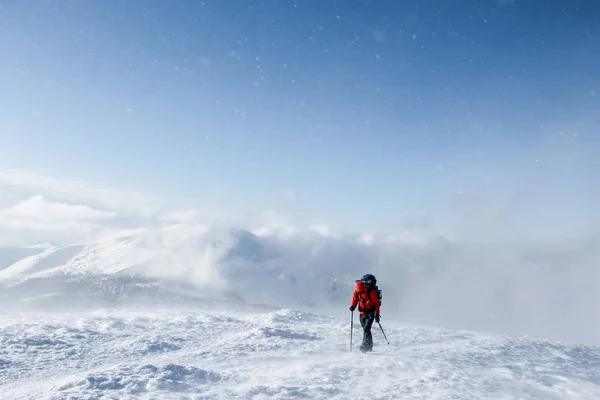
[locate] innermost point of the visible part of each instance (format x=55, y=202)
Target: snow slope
x=284, y=354
x=12, y=254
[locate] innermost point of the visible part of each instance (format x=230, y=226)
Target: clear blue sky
x=367, y=110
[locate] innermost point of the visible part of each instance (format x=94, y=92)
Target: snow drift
x=284, y=354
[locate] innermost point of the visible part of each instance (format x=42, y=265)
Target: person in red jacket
x=366, y=297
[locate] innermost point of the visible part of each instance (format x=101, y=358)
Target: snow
x=284, y=354
x=50, y=258
x=175, y=307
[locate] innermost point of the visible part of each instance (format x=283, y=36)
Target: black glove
x=377, y=318
x=352, y=308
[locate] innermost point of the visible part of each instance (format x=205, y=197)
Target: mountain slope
x=12, y=254
x=229, y=263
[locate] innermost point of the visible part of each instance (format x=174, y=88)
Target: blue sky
x=480, y=115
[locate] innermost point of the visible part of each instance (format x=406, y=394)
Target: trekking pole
x=351, y=327
x=383, y=332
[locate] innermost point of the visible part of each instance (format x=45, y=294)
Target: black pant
x=366, y=321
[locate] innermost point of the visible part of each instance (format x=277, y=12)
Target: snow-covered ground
x=283, y=354
x=123, y=301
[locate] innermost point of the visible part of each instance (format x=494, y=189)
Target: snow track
x=129, y=354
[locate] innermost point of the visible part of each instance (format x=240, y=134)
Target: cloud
x=20, y=184
x=37, y=208
x=323, y=230
x=273, y=223
x=44, y=220
x=40, y=208
x=366, y=239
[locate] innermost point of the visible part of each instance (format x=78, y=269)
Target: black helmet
x=368, y=280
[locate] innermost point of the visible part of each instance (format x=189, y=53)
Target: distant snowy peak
x=50, y=259
x=171, y=252
x=247, y=246
x=12, y=254
x=188, y=247
x=311, y=270
x=44, y=246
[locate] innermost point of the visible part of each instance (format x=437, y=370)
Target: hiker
x=366, y=297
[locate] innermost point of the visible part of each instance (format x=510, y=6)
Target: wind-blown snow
x=285, y=354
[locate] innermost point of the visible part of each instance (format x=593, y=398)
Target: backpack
x=368, y=295
x=378, y=293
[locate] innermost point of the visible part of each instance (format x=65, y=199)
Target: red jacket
x=367, y=303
